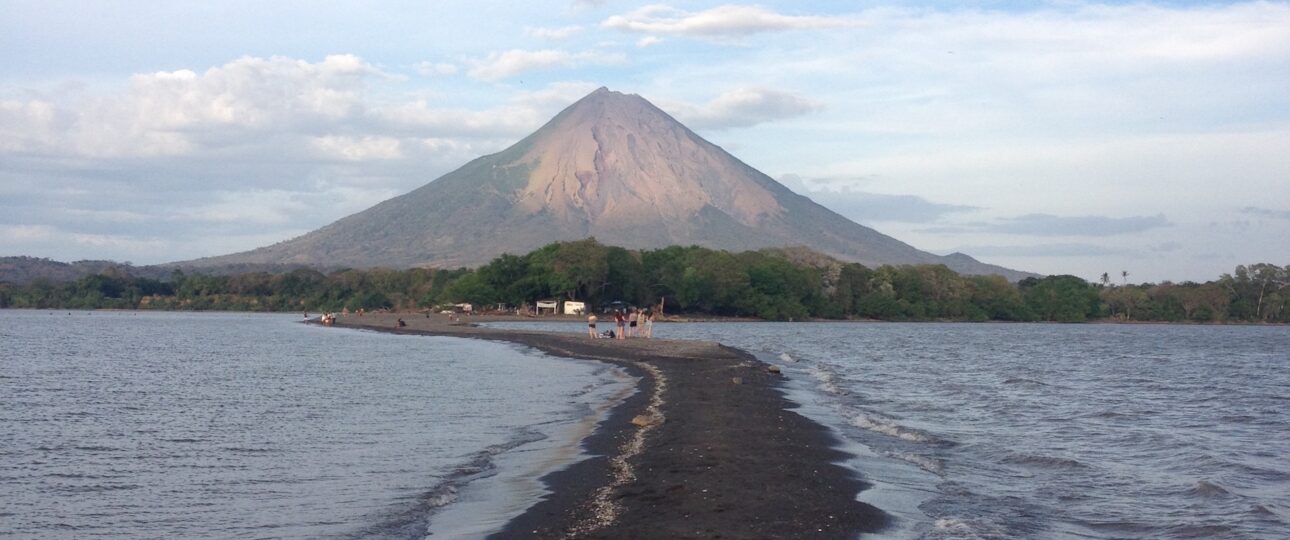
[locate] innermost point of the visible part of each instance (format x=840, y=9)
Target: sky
x=1061, y=137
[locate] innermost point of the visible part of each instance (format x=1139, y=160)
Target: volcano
x=612, y=166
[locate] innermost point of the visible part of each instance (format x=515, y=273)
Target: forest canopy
x=778, y=284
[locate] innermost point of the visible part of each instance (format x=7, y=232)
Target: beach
x=709, y=447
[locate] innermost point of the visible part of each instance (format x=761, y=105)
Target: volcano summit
x=612, y=166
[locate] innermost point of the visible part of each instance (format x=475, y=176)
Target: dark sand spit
x=708, y=448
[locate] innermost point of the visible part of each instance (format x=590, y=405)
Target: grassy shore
x=709, y=447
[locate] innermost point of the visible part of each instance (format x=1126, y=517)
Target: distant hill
x=612, y=166
x=24, y=270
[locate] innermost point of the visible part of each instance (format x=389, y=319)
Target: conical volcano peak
x=612, y=166
x=605, y=105
x=615, y=161
x=604, y=93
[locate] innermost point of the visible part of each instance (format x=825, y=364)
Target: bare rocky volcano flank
x=612, y=166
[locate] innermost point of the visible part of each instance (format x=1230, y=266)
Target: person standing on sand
x=591, y=326
x=622, y=323
x=649, y=323
x=632, y=317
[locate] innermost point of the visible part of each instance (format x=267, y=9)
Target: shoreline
x=709, y=446
x=685, y=318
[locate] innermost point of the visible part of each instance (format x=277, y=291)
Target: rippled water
x=174, y=425
x=1039, y=431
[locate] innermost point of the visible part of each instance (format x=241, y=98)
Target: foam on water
x=889, y=427
x=929, y=464
x=826, y=378
x=964, y=529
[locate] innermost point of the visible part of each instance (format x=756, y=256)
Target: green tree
x=1063, y=298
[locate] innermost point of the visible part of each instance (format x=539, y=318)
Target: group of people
x=632, y=323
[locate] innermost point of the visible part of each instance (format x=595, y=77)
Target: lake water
x=241, y=425
x=181, y=425
x=1044, y=431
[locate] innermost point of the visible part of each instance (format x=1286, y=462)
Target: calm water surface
x=1042, y=431
x=174, y=425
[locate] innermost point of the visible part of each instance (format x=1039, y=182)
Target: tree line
x=768, y=284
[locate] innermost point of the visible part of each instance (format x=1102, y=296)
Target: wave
x=444, y=495
x=250, y=450
x=1262, y=511
x=827, y=380
x=1105, y=414
x=95, y=488
x=1047, y=462
x=926, y=463
x=786, y=358
x=1023, y=380
x=886, y=427
x=1205, y=488
x=965, y=529
x=95, y=448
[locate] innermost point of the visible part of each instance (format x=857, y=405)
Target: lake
x=1041, y=430
x=220, y=425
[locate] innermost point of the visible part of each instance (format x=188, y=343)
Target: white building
x=572, y=307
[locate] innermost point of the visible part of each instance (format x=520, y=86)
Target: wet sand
x=708, y=448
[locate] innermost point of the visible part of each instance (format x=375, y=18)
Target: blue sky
x=1062, y=137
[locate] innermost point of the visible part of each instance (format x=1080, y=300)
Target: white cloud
x=173, y=113
x=71, y=245
x=553, y=34
x=105, y=216
x=253, y=207
x=429, y=69
x=1266, y=212
x=505, y=64
x=253, y=149
x=119, y=243
x=343, y=148
x=426, y=117
x=27, y=233
x=744, y=107
x=648, y=40
x=724, y=20
x=502, y=65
